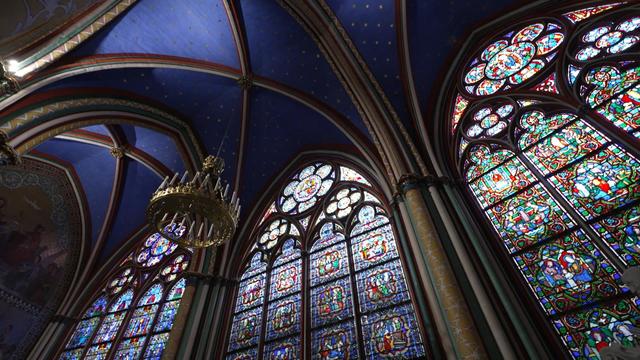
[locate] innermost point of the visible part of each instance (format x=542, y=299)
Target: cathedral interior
x=319, y=179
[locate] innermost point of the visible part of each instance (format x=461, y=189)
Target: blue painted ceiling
x=290, y=72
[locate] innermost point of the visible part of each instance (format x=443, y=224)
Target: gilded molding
x=75, y=40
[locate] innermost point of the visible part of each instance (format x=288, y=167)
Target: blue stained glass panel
x=152, y=296
x=97, y=308
x=335, y=342
x=256, y=265
x=245, y=329
x=373, y=247
x=392, y=333
x=71, y=354
x=289, y=252
x=156, y=347
x=251, y=292
x=83, y=332
x=165, y=319
x=285, y=279
x=381, y=286
x=331, y=302
x=287, y=349
x=329, y=263
x=329, y=234
x=123, y=302
x=250, y=354
x=622, y=233
x=177, y=290
x=98, y=352
x=283, y=317
x=109, y=327
x=141, y=320
x=130, y=349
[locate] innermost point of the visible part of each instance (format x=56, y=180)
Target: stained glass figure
x=251, y=293
x=568, y=272
x=605, y=82
x=97, y=308
x=368, y=218
x=123, y=302
x=622, y=233
x=373, y=247
x=168, y=313
x=335, y=342
x=459, y=108
x=289, y=252
x=392, y=334
x=285, y=279
x=331, y=302
x=109, y=328
x=329, y=263
x=587, y=332
x=177, y=290
x=501, y=182
x=83, y=332
x=605, y=181
x=244, y=355
x=287, y=349
x=140, y=322
x=98, y=352
x=130, y=348
x=156, y=347
x=245, y=329
x=381, y=286
x=283, y=317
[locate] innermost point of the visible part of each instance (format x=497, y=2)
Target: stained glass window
x=133, y=314
x=557, y=178
x=333, y=264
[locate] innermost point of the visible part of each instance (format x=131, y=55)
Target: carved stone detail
x=8, y=155
x=8, y=84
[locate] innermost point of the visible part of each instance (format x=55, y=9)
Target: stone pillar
x=458, y=332
x=180, y=321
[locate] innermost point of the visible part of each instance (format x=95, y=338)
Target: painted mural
x=40, y=232
x=25, y=21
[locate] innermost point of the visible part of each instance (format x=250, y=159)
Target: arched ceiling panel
x=436, y=29
x=158, y=145
x=138, y=185
x=372, y=28
x=209, y=102
x=280, y=49
x=95, y=168
x=98, y=129
x=279, y=130
x=197, y=29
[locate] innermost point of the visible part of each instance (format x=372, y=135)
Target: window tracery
x=551, y=159
x=333, y=263
x=133, y=314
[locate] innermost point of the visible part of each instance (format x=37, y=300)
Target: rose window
x=609, y=39
x=489, y=122
x=178, y=265
x=155, y=248
x=341, y=204
x=274, y=231
x=120, y=281
x=305, y=188
x=513, y=59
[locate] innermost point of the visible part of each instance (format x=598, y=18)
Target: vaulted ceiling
x=185, y=58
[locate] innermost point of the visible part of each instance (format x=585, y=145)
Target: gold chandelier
x=195, y=212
